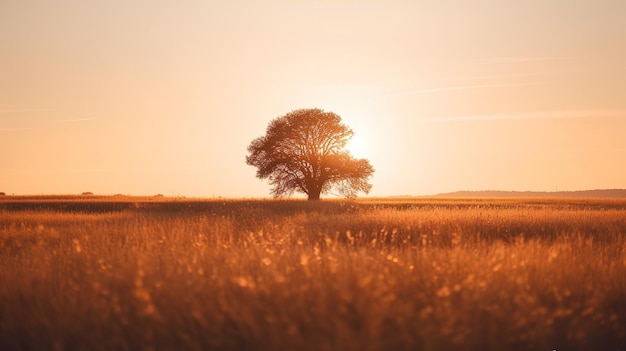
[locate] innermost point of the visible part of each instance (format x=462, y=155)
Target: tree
x=303, y=151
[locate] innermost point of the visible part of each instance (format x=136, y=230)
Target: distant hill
x=601, y=193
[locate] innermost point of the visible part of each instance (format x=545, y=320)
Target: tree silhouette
x=303, y=151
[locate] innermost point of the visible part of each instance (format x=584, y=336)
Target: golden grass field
x=125, y=273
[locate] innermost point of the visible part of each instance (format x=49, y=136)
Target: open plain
x=131, y=273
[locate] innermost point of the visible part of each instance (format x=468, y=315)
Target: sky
x=162, y=97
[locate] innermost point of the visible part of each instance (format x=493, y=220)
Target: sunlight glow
x=361, y=112
x=357, y=146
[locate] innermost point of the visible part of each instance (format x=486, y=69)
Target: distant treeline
x=601, y=193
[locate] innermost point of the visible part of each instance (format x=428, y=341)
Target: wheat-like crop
x=478, y=274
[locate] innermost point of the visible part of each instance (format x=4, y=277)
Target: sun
x=356, y=146
x=360, y=111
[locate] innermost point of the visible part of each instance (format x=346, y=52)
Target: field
x=124, y=273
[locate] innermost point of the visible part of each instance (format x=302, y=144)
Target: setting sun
x=357, y=146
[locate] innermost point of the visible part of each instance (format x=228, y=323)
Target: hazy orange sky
x=147, y=97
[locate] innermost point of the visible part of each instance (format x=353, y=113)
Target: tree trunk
x=314, y=194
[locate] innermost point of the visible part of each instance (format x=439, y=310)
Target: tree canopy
x=303, y=151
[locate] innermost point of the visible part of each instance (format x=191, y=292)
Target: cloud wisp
x=564, y=114
x=11, y=129
x=21, y=110
x=39, y=125
x=524, y=59
x=460, y=87
x=72, y=120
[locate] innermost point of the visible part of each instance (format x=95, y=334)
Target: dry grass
x=127, y=274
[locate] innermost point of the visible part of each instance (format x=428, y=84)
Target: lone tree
x=303, y=151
